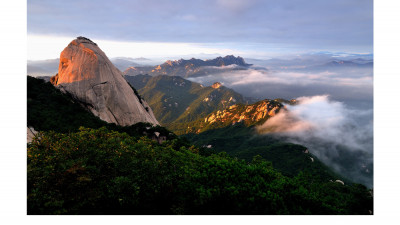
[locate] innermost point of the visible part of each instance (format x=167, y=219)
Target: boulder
x=89, y=77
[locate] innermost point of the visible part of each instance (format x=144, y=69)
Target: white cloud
x=258, y=82
x=331, y=131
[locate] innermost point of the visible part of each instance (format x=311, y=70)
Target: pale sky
x=151, y=28
x=49, y=47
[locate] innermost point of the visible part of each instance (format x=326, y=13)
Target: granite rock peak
x=86, y=73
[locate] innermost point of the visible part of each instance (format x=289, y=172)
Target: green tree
x=99, y=171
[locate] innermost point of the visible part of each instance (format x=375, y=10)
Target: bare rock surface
x=88, y=75
x=30, y=134
x=216, y=85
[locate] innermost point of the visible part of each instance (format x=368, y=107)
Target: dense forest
x=98, y=171
x=79, y=164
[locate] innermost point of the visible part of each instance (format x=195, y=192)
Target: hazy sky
x=251, y=28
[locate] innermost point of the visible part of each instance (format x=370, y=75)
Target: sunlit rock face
x=249, y=114
x=88, y=75
x=216, y=85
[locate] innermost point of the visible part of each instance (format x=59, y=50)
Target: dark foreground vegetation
x=98, y=171
x=108, y=169
x=243, y=142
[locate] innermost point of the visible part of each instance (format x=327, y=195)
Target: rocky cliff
x=192, y=67
x=247, y=115
x=88, y=76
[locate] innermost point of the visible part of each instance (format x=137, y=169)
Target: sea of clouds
x=353, y=85
x=339, y=136
x=334, y=120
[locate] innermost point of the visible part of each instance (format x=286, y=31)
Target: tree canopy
x=99, y=171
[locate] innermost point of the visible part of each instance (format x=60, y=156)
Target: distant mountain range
x=338, y=65
x=309, y=62
x=355, y=63
x=122, y=62
x=192, y=67
x=197, y=67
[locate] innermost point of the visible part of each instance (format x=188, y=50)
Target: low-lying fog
x=338, y=135
x=334, y=117
x=348, y=85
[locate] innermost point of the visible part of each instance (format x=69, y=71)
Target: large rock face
x=88, y=75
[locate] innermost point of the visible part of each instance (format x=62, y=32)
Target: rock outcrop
x=216, y=85
x=249, y=114
x=88, y=75
x=30, y=134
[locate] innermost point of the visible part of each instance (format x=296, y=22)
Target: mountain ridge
x=175, y=99
x=191, y=67
x=246, y=114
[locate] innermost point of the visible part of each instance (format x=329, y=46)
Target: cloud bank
x=340, y=137
x=350, y=85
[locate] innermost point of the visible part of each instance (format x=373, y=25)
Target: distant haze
x=302, y=76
